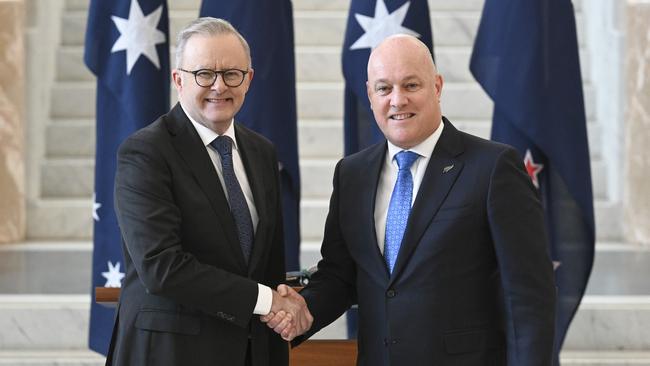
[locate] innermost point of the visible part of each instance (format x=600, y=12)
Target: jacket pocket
x=475, y=340
x=166, y=321
x=453, y=213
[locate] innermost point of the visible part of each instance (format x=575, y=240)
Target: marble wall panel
x=636, y=193
x=12, y=88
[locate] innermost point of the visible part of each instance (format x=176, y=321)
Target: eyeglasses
x=206, y=77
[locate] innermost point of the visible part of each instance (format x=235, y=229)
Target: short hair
x=208, y=26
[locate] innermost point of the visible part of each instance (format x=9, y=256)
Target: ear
x=176, y=78
x=249, y=78
x=438, y=83
x=369, y=91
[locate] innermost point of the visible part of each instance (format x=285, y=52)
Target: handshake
x=289, y=316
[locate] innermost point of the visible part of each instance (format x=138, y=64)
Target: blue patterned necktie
x=236, y=199
x=399, y=207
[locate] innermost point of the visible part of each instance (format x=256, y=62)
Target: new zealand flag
x=526, y=59
x=127, y=49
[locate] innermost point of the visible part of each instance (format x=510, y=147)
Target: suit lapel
x=252, y=159
x=363, y=214
x=189, y=146
x=440, y=176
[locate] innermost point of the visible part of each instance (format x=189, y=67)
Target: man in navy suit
x=436, y=234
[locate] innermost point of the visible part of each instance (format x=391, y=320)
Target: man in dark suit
x=198, y=204
x=436, y=234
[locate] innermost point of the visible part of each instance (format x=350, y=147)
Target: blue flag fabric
x=526, y=58
x=127, y=49
x=270, y=106
x=369, y=22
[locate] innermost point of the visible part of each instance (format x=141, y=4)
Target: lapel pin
x=447, y=168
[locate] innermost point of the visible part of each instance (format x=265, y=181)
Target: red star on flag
x=531, y=168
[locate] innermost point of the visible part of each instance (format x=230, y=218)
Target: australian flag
x=127, y=49
x=526, y=58
x=270, y=106
x=369, y=22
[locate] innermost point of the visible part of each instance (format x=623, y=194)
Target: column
x=636, y=189
x=12, y=88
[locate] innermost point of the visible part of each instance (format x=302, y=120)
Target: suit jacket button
x=391, y=293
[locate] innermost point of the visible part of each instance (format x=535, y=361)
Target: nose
x=219, y=86
x=398, y=98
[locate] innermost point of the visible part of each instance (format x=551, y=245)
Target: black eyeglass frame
x=216, y=75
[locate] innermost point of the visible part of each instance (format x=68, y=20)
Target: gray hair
x=208, y=26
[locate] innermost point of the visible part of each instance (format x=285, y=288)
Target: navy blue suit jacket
x=473, y=283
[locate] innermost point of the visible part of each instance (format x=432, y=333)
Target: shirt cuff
x=264, y=300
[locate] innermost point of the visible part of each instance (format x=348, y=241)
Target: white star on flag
x=113, y=276
x=96, y=206
x=382, y=25
x=139, y=35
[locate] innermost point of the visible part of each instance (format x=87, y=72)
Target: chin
x=219, y=118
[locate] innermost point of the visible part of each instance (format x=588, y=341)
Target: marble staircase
x=44, y=283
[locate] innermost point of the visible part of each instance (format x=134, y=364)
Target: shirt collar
x=424, y=148
x=207, y=135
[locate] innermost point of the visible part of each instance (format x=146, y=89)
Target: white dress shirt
x=388, y=177
x=264, y=295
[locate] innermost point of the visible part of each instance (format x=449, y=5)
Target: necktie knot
x=223, y=145
x=405, y=159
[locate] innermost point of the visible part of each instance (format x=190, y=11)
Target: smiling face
x=404, y=90
x=215, y=106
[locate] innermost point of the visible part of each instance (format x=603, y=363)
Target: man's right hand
x=289, y=314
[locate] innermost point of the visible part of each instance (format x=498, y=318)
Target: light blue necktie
x=399, y=208
x=238, y=205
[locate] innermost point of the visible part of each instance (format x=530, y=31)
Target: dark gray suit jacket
x=473, y=283
x=188, y=296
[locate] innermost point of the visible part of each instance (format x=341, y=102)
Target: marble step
x=320, y=27
x=67, y=177
x=46, y=267
x=64, y=267
x=70, y=138
x=77, y=100
x=38, y=322
x=76, y=138
x=73, y=177
x=52, y=357
x=44, y=322
x=604, y=358
x=61, y=218
x=56, y=219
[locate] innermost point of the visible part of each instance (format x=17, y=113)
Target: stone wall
x=12, y=142
x=636, y=193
